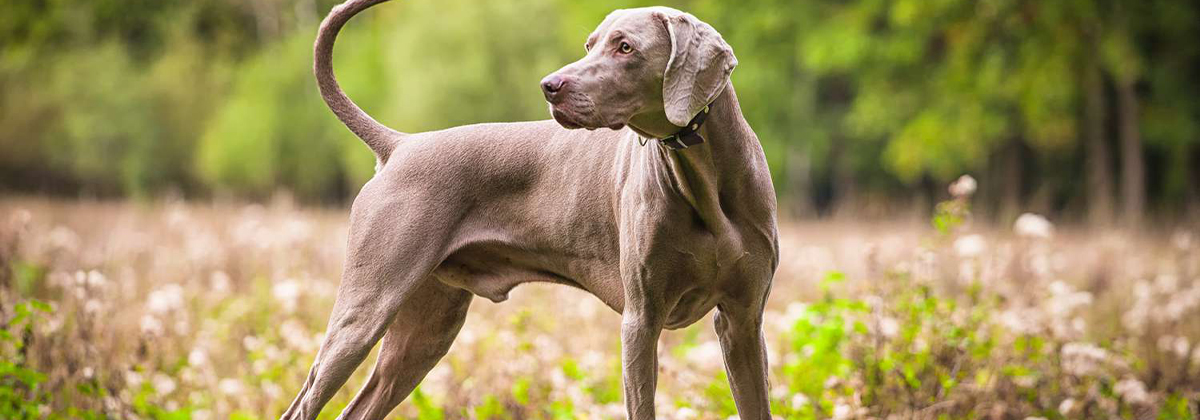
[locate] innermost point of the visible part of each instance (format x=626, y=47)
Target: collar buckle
x=689, y=135
x=673, y=142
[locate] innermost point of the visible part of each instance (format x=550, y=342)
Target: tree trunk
x=1099, y=170
x=1133, y=165
x=799, y=183
x=845, y=184
x=1010, y=198
x=1190, y=201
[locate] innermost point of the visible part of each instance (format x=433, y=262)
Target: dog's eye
x=626, y=48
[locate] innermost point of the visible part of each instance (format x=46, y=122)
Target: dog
x=648, y=189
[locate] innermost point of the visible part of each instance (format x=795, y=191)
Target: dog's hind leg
x=394, y=245
x=420, y=335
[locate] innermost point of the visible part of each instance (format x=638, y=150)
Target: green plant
x=20, y=396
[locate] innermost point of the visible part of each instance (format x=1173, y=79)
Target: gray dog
x=663, y=209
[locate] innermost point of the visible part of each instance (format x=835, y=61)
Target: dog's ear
x=698, y=69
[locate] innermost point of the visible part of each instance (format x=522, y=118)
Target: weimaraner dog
x=662, y=208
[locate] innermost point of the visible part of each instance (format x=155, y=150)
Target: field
x=171, y=310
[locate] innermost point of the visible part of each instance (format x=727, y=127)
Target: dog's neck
x=704, y=173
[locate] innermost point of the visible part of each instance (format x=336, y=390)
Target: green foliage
x=426, y=408
x=274, y=131
x=896, y=344
x=949, y=215
x=520, y=390
x=21, y=393
x=1176, y=408
x=213, y=96
x=819, y=339
x=144, y=406
x=490, y=409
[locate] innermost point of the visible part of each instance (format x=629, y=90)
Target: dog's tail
x=378, y=137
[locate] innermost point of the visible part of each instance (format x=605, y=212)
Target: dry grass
x=176, y=310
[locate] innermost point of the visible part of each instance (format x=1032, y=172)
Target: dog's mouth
x=588, y=118
x=581, y=112
x=564, y=119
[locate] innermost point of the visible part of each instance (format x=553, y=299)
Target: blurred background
x=1087, y=110
x=173, y=222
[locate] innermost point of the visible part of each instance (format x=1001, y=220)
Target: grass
x=186, y=311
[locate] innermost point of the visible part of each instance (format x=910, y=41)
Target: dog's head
x=641, y=62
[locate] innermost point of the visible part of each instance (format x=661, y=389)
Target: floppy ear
x=699, y=66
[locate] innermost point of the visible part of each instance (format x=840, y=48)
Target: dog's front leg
x=739, y=328
x=641, y=325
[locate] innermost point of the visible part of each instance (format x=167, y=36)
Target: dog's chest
x=697, y=269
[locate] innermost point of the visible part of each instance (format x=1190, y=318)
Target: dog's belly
x=494, y=277
x=491, y=270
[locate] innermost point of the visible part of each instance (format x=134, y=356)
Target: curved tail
x=378, y=137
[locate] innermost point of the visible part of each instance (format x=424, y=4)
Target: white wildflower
x=1021, y=320
x=93, y=306
x=163, y=384
x=296, y=230
x=177, y=216
x=220, y=282
x=1132, y=390
x=889, y=326
x=1182, y=240
x=151, y=325
x=437, y=379
x=793, y=313
x=252, y=343
x=111, y=403
x=260, y=366
x=1172, y=344
x=1064, y=300
x=799, y=401
x=197, y=357
x=272, y=389
x=1083, y=359
x=559, y=379
x=296, y=335
x=1031, y=225
x=1166, y=283
x=963, y=187
x=1067, y=406
x=707, y=354
x=64, y=238
x=93, y=279
x=287, y=293
x=166, y=299
x=873, y=301
x=685, y=413
x=842, y=411
x=133, y=379
x=20, y=217
x=230, y=386
x=970, y=246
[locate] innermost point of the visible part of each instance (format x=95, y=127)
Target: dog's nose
x=552, y=85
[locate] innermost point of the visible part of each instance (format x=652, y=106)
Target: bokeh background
x=173, y=192
x=1086, y=109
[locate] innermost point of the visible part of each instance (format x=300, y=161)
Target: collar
x=689, y=135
